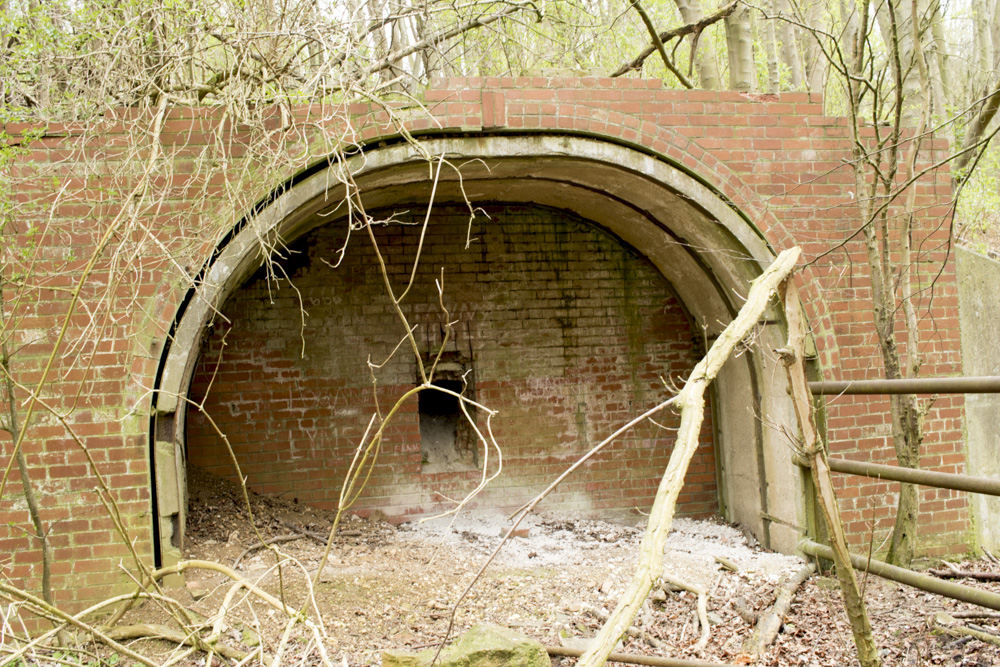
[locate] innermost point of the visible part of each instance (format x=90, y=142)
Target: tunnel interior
x=553, y=323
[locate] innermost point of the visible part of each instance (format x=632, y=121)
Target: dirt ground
x=393, y=586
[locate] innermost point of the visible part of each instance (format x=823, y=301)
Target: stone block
x=484, y=645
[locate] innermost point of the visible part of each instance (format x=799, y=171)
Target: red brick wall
x=569, y=334
x=779, y=160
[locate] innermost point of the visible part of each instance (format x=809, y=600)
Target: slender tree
x=705, y=56
x=739, y=46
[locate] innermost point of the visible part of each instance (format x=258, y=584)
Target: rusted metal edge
x=632, y=659
x=987, y=384
x=940, y=480
x=902, y=575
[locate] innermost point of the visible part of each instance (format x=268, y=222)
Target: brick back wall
x=569, y=334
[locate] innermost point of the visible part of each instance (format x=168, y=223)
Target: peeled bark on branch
x=691, y=401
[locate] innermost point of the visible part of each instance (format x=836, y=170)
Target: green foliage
x=978, y=211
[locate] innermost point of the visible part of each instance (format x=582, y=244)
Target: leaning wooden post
x=691, y=403
x=812, y=449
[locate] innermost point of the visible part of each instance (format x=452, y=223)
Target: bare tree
x=771, y=51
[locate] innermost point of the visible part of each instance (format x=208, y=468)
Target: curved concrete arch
x=698, y=241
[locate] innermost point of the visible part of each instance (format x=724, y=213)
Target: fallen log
x=945, y=624
x=965, y=574
x=266, y=543
x=154, y=631
x=629, y=659
x=769, y=624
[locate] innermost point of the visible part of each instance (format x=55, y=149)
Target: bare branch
x=658, y=43
x=679, y=32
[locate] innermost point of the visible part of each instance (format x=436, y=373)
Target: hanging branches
x=206, y=103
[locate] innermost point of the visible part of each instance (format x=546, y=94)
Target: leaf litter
x=393, y=586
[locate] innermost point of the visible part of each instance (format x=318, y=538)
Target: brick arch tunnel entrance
x=591, y=276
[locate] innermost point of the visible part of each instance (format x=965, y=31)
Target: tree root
x=702, y=606
x=742, y=607
x=315, y=537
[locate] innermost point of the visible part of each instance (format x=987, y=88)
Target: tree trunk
x=44, y=65
x=789, y=33
x=771, y=49
x=907, y=437
x=739, y=44
x=974, y=133
x=705, y=57
x=812, y=55
x=906, y=409
x=14, y=428
x=895, y=21
x=994, y=34
x=3, y=50
x=936, y=51
x=905, y=423
x=983, y=39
